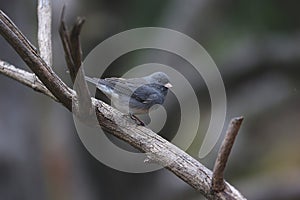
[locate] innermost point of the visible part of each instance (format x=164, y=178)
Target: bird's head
x=160, y=78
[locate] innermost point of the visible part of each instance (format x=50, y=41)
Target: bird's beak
x=168, y=85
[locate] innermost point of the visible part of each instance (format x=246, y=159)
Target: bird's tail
x=101, y=85
x=92, y=80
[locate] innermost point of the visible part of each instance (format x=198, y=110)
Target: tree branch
x=73, y=56
x=116, y=123
x=220, y=164
x=71, y=44
x=31, y=57
x=26, y=78
x=44, y=30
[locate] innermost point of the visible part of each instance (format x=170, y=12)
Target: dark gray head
x=160, y=78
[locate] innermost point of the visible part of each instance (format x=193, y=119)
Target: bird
x=134, y=95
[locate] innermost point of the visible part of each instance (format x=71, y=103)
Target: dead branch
x=116, y=123
x=218, y=183
x=73, y=56
x=44, y=30
x=31, y=57
x=26, y=78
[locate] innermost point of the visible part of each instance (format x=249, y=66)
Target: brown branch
x=73, y=56
x=118, y=124
x=31, y=57
x=75, y=42
x=71, y=44
x=218, y=183
x=163, y=152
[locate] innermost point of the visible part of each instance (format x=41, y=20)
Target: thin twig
x=24, y=77
x=65, y=42
x=44, y=30
x=75, y=42
x=73, y=56
x=218, y=183
x=71, y=44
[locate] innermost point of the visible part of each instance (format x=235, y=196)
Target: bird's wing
x=137, y=88
x=147, y=95
x=117, y=85
x=124, y=86
x=131, y=82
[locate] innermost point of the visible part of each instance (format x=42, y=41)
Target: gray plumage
x=134, y=95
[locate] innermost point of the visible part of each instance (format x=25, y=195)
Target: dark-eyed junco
x=134, y=95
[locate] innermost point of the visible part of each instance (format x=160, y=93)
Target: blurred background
x=256, y=46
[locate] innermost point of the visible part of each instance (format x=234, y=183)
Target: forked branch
x=163, y=152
